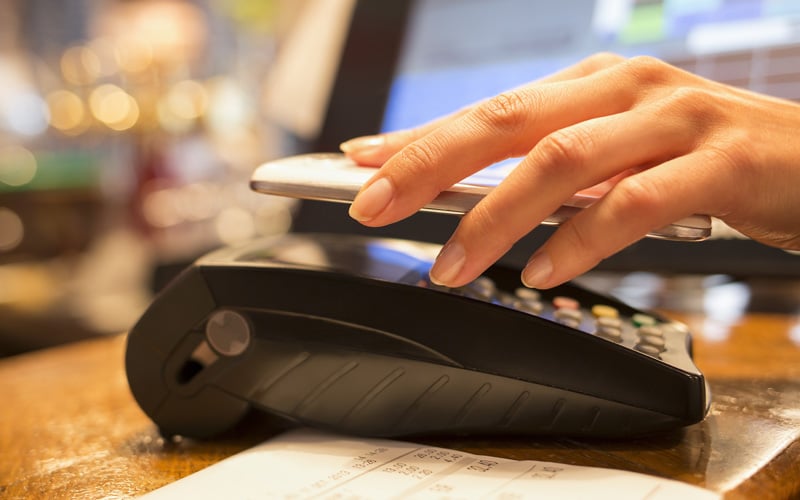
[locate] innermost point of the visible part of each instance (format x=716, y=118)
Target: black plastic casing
x=354, y=354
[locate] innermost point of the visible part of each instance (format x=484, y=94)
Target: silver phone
x=334, y=177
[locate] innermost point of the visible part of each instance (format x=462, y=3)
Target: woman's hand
x=665, y=143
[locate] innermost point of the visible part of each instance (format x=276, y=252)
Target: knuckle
x=680, y=104
x=506, y=112
x=420, y=170
x=481, y=221
x=633, y=196
x=600, y=61
x=647, y=70
x=418, y=156
x=699, y=108
x=696, y=101
x=566, y=147
x=488, y=228
x=576, y=237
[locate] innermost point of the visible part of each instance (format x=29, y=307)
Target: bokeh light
x=183, y=104
x=235, y=225
x=12, y=230
x=133, y=55
x=80, y=65
x=17, y=165
x=25, y=114
x=67, y=112
x=114, y=107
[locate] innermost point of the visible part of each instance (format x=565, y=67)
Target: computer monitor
x=407, y=61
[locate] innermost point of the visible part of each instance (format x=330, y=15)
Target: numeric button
x=569, y=317
x=528, y=300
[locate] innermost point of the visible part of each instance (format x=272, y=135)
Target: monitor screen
x=458, y=52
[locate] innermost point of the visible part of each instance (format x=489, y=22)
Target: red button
x=565, y=303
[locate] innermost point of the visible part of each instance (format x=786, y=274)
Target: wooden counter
x=70, y=428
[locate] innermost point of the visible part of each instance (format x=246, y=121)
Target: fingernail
x=372, y=201
x=362, y=144
x=448, y=264
x=538, y=271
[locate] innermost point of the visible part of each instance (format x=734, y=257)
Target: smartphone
x=334, y=177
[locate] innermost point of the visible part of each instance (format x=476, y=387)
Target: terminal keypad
x=641, y=332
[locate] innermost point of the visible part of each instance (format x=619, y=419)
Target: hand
x=663, y=142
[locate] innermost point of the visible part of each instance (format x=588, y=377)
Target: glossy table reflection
x=70, y=429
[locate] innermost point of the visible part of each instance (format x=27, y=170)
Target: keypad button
x=484, y=287
x=574, y=315
x=527, y=294
x=640, y=319
x=651, y=330
x=657, y=342
x=604, y=311
x=610, y=332
x=605, y=321
x=648, y=349
x=570, y=322
x=529, y=306
x=565, y=303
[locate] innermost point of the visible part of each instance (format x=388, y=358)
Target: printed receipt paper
x=311, y=464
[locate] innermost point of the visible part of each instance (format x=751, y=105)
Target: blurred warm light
x=184, y=103
x=274, y=217
x=105, y=56
x=17, y=165
x=188, y=99
x=147, y=98
x=198, y=201
x=159, y=209
x=240, y=148
x=170, y=206
x=794, y=332
x=235, y=225
x=11, y=230
x=67, y=112
x=229, y=107
x=80, y=65
x=133, y=55
x=174, y=30
x=114, y=107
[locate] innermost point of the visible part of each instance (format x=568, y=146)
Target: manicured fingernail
x=362, y=144
x=448, y=264
x=538, y=271
x=372, y=201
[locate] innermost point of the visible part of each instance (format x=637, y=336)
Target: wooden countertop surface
x=69, y=427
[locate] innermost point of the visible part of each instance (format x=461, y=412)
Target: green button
x=640, y=319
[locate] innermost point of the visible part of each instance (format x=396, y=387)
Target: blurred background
x=128, y=131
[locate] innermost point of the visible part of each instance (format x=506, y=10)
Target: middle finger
x=505, y=126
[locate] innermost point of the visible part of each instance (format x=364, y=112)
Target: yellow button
x=604, y=311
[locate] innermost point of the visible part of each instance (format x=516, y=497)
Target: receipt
x=307, y=463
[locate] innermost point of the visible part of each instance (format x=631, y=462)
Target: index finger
x=375, y=150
